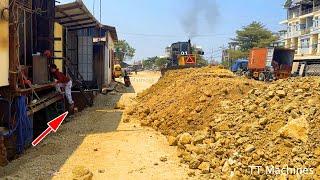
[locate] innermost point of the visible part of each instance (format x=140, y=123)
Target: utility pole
x=93, y=8
x=211, y=58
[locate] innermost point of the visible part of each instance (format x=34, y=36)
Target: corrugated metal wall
x=4, y=47
x=71, y=49
x=85, y=54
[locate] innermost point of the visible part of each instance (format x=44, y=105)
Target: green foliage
x=236, y=54
x=149, y=63
x=254, y=35
x=199, y=57
x=161, y=62
x=123, y=50
x=201, y=61
x=153, y=62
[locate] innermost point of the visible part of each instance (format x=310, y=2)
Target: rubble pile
x=226, y=126
x=186, y=99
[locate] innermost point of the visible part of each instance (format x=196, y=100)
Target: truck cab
x=240, y=66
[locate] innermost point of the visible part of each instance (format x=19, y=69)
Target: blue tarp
x=23, y=126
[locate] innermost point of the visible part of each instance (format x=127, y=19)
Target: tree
x=161, y=62
x=254, y=35
x=123, y=50
x=149, y=63
x=153, y=62
x=237, y=54
x=201, y=61
x=234, y=55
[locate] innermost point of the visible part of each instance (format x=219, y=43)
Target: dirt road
x=97, y=143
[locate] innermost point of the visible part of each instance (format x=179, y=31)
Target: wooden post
x=13, y=46
x=3, y=153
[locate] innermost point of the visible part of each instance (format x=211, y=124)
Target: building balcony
x=314, y=52
x=303, y=12
x=305, y=50
x=315, y=29
x=316, y=8
x=283, y=36
x=305, y=31
x=293, y=34
x=307, y=11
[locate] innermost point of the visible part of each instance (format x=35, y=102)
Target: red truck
x=267, y=64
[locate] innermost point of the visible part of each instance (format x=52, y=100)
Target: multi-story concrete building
x=303, y=32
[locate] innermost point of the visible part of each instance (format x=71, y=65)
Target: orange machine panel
x=257, y=59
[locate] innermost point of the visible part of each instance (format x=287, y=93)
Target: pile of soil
x=225, y=125
x=187, y=99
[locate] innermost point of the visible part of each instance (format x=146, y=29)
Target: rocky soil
x=184, y=100
x=224, y=125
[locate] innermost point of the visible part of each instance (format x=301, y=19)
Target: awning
x=75, y=16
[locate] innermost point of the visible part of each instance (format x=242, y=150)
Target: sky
x=151, y=25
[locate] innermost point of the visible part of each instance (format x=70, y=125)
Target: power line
x=174, y=35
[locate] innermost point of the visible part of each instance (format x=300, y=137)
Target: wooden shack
x=88, y=46
x=27, y=32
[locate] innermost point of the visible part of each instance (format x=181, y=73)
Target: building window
x=289, y=27
x=316, y=22
x=305, y=44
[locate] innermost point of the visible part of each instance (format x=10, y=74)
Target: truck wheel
x=242, y=73
x=262, y=77
x=248, y=74
x=268, y=77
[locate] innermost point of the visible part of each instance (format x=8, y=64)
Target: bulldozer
x=182, y=55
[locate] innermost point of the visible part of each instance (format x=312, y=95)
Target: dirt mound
x=274, y=126
x=187, y=99
x=226, y=125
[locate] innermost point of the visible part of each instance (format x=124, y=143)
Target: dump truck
x=267, y=64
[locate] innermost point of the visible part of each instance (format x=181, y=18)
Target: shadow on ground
x=50, y=155
x=99, y=122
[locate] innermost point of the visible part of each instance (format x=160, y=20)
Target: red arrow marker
x=53, y=126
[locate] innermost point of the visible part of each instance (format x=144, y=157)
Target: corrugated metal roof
x=113, y=32
x=75, y=15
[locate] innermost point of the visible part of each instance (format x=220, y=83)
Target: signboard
x=187, y=59
x=191, y=59
x=4, y=44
